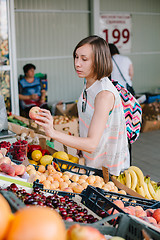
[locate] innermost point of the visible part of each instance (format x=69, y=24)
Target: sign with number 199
x=116, y=28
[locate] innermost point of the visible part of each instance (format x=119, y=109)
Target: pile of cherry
x=66, y=207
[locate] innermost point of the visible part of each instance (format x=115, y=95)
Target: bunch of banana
x=134, y=179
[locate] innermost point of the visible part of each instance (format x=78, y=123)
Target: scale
x=4, y=132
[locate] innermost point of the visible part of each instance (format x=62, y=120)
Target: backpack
x=132, y=112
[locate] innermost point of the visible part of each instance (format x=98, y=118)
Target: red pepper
x=35, y=147
x=45, y=152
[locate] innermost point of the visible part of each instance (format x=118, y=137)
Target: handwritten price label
x=117, y=29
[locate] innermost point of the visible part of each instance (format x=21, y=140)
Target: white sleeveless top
x=112, y=150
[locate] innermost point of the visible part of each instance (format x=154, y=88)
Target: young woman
x=103, y=137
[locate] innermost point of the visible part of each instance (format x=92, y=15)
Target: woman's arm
x=103, y=104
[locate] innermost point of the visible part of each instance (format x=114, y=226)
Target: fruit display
x=149, y=215
x=134, y=179
x=54, y=180
x=68, y=208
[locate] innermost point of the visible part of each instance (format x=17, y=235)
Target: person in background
x=122, y=67
x=31, y=91
x=102, y=127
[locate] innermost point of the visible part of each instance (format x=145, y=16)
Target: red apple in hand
x=33, y=112
x=77, y=232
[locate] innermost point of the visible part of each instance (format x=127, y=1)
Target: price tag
x=116, y=28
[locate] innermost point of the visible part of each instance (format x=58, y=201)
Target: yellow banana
x=139, y=174
x=120, y=178
x=134, y=179
x=128, y=178
x=123, y=179
x=140, y=190
x=147, y=194
x=157, y=194
x=151, y=190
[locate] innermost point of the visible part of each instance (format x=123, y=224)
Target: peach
x=68, y=189
x=119, y=203
x=68, y=182
x=65, y=177
x=83, y=177
x=75, y=178
x=152, y=220
x=156, y=215
x=97, y=184
x=47, y=184
x=78, y=188
x=140, y=213
x=33, y=113
x=91, y=179
x=56, y=183
x=1, y=155
x=130, y=210
x=5, y=160
x=19, y=169
x=72, y=184
x=41, y=168
x=77, y=232
x=42, y=178
x=8, y=169
x=31, y=171
x=53, y=186
x=63, y=185
x=50, y=178
x=80, y=181
x=84, y=185
x=68, y=173
x=149, y=212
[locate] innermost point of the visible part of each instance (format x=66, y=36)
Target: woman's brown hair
x=102, y=66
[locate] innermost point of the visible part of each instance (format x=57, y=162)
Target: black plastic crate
x=72, y=166
x=130, y=200
x=131, y=229
x=61, y=193
x=125, y=227
x=94, y=198
x=14, y=202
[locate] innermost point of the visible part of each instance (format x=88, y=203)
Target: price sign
x=116, y=28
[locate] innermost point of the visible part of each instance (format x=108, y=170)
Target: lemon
x=32, y=162
x=36, y=155
x=46, y=160
x=54, y=155
x=70, y=156
x=75, y=159
x=62, y=155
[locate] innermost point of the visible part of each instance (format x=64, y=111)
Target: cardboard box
x=68, y=109
x=151, y=117
x=71, y=127
x=148, y=126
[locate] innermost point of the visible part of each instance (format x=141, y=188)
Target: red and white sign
x=116, y=28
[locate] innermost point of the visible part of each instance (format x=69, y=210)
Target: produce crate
x=77, y=168
x=94, y=198
x=125, y=227
x=61, y=193
x=14, y=202
x=130, y=200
